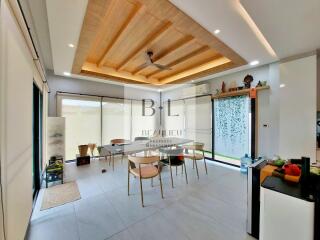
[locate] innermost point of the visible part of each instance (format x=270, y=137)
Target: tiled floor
x=213, y=207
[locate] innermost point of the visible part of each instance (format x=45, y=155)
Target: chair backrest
x=141, y=138
x=172, y=151
x=117, y=141
x=194, y=146
x=143, y=159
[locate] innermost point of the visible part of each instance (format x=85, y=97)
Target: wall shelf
x=238, y=93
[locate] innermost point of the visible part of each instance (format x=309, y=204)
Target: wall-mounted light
x=217, y=31
x=66, y=73
x=71, y=45
x=282, y=85
x=254, y=63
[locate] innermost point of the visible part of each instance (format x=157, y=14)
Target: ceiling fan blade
x=161, y=67
x=146, y=64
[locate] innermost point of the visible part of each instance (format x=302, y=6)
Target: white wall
x=298, y=106
x=17, y=74
x=286, y=117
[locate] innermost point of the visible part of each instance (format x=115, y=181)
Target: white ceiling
x=289, y=26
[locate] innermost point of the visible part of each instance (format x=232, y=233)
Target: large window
x=83, y=122
x=100, y=119
x=116, y=119
x=143, y=122
x=174, y=119
x=194, y=120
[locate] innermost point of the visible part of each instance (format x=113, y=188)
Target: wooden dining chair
x=173, y=157
x=145, y=169
x=92, y=147
x=115, y=142
x=193, y=154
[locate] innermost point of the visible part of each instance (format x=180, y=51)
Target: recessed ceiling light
x=282, y=85
x=71, y=45
x=254, y=63
x=66, y=73
x=217, y=31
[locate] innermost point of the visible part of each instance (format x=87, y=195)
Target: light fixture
x=71, y=45
x=159, y=90
x=217, y=31
x=192, y=81
x=254, y=63
x=282, y=85
x=66, y=73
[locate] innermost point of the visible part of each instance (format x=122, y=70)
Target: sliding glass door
x=232, y=129
x=174, y=118
x=143, y=119
x=83, y=122
x=100, y=119
x=116, y=119
x=192, y=118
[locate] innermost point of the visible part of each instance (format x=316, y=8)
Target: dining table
x=133, y=147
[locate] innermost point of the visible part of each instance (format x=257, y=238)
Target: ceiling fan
x=149, y=62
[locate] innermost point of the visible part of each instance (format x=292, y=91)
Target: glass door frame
x=37, y=137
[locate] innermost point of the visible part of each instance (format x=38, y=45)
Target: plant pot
x=83, y=150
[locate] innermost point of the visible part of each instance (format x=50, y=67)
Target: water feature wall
x=232, y=126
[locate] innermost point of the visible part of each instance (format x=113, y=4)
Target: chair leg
x=122, y=158
x=185, y=171
x=205, y=165
x=151, y=182
x=113, y=163
x=161, y=184
x=171, y=176
x=195, y=162
x=182, y=169
x=193, y=165
x=128, y=182
x=176, y=171
x=141, y=191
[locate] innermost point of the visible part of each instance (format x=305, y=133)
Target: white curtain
x=83, y=121
x=116, y=119
x=199, y=120
x=174, y=119
x=143, y=125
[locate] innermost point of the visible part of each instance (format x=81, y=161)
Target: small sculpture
x=259, y=84
x=247, y=81
x=223, y=87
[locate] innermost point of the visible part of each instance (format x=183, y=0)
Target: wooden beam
x=193, y=66
x=182, y=59
x=110, y=73
x=143, y=46
x=217, y=65
x=171, y=49
x=126, y=26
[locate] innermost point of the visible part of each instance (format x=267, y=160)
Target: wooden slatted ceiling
x=116, y=34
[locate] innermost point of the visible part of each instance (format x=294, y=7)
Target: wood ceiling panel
x=202, y=56
x=116, y=35
x=135, y=39
x=115, y=18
